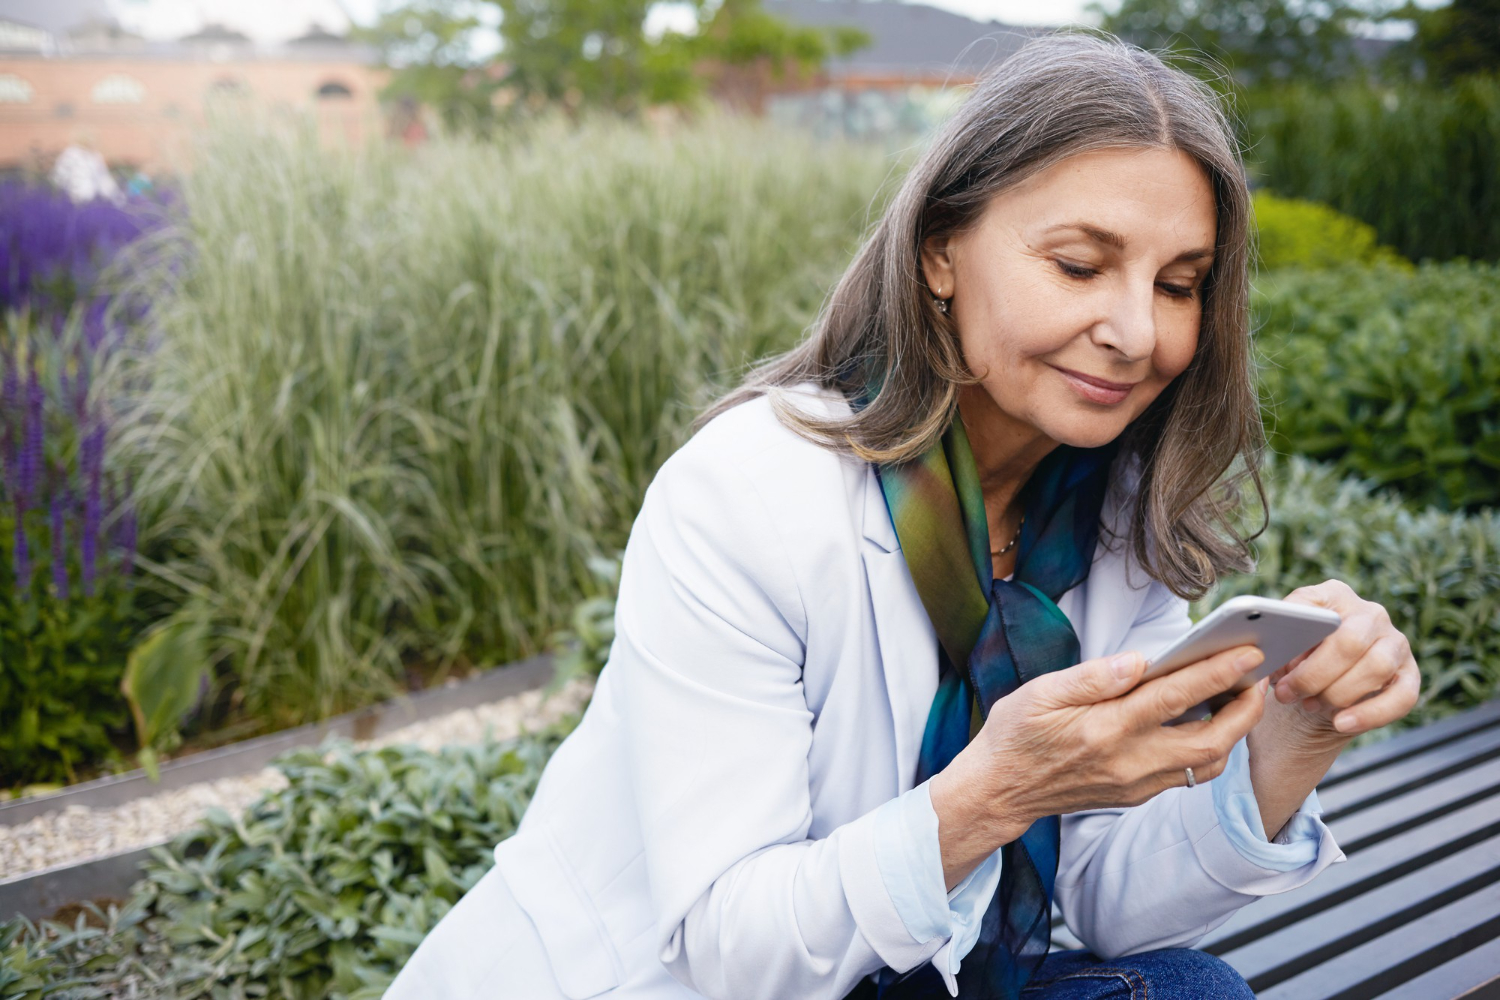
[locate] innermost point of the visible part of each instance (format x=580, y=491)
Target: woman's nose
x=1130, y=327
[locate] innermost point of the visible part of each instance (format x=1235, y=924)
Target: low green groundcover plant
x=321, y=890
x=1389, y=373
x=1436, y=572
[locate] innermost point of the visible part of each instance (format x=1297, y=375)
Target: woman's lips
x=1095, y=389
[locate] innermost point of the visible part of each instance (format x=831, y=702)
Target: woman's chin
x=1086, y=433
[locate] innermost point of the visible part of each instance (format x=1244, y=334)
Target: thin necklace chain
x=1014, y=539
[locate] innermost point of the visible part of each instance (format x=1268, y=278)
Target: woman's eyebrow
x=1117, y=241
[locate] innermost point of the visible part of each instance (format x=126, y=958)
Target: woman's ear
x=937, y=266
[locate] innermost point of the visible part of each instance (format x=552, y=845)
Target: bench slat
x=1361, y=873
x=1302, y=945
x=1355, y=762
x=1410, y=774
x=1455, y=977
x=1398, y=955
x=1394, y=817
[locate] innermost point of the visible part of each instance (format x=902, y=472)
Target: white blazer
x=706, y=830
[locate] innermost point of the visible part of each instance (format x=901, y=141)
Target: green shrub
x=320, y=890
x=1420, y=164
x=1392, y=375
x=404, y=396
x=1436, y=572
x=1296, y=233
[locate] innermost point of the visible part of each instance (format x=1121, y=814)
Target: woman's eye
x=1075, y=270
x=1079, y=271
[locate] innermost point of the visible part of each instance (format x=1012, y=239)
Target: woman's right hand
x=1087, y=738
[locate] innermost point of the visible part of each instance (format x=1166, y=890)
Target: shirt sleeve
x=911, y=865
x=1239, y=817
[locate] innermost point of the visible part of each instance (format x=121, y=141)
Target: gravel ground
x=78, y=833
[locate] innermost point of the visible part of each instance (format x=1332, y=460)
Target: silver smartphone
x=1281, y=629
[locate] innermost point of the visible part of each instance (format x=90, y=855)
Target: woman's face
x=1077, y=296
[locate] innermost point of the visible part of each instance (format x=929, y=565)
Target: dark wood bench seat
x=1414, y=913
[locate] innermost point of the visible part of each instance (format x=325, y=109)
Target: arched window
x=14, y=90
x=332, y=90
x=117, y=88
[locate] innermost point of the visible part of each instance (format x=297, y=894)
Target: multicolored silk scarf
x=1003, y=633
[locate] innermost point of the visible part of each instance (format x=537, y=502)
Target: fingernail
x=1265, y=682
x=1122, y=665
x=1249, y=658
x=1344, y=723
x=1284, y=693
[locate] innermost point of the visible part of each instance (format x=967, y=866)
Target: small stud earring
x=942, y=304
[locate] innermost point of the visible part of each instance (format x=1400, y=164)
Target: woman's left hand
x=1360, y=678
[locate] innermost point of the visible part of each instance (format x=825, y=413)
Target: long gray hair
x=1058, y=96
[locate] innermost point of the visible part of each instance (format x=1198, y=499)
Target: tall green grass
x=399, y=398
x=1420, y=164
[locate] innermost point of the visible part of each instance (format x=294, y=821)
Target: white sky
x=278, y=20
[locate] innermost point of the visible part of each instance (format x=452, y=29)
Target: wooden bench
x=1414, y=913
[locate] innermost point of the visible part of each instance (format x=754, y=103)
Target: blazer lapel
x=908, y=644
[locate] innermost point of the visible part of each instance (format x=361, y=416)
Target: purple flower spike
x=59, y=544
x=10, y=386
x=31, y=447
x=23, y=559
x=92, y=462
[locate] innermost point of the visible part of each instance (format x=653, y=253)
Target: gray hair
x=1060, y=95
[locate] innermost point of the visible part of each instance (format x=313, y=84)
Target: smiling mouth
x=1095, y=389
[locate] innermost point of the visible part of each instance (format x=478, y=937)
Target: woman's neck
x=1006, y=452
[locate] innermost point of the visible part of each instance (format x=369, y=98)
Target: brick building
x=70, y=74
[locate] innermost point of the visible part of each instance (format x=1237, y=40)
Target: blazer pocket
x=583, y=958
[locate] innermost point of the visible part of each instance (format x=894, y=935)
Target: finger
x=1203, y=772
x=1397, y=699
x=1195, y=743
x=1331, y=659
x=1370, y=675
x=1089, y=682
x=1291, y=665
x=1164, y=698
x=1336, y=595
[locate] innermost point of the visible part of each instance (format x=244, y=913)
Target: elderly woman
x=875, y=700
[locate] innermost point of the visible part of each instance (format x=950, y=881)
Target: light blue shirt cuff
x=1239, y=816
x=911, y=864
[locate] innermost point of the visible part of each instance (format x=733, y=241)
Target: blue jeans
x=1168, y=974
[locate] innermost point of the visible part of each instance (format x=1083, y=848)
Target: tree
x=582, y=52
x=1457, y=40
x=428, y=44
x=595, y=52
x=576, y=51
x=1261, y=41
x=739, y=34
